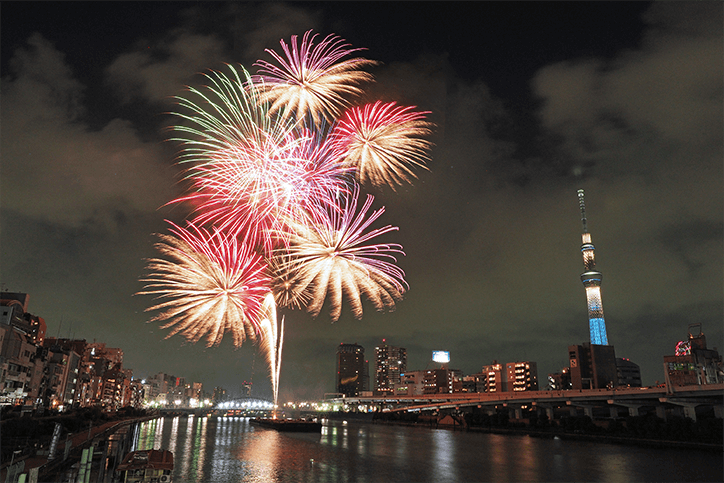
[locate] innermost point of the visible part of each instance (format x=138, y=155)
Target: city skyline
x=524, y=117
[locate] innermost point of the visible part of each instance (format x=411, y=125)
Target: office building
x=592, y=366
x=693, y=363
x=522, y=376
x=559, y=381
x=390, y=362
x=352, y=370
x=629, y=373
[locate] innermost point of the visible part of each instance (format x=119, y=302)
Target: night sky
x=531, y=101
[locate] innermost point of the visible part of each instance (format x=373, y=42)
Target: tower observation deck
x=592, y=282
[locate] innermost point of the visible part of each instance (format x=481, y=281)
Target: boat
x=291, y=425
x=147, y=466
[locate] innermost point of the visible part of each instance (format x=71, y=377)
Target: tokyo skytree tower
x=592, y=282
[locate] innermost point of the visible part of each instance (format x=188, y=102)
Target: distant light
x=441, y=357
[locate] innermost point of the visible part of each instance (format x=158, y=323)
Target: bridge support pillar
x=546, y=409
x=688, y=408
x=690, y=412
x=613, y=412
x=515, y=413
x=661, y=412
x=549, y=412
x=587, y=409
x=718, y=411
x=633, y=409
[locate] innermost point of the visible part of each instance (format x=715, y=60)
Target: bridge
x=598, y=403
x=246, y=403
x=244, y=406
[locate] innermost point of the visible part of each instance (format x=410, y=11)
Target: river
x=231, y=449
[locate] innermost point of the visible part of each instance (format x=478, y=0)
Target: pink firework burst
x=212, y=284
x=312, y=78
x=384, y=141
x=250, y=171
x=328, y=258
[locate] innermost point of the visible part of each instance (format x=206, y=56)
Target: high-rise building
x=495, y=380
x=442, y=381
x=513, y=376
x=558, y=381
x=522, y=376
x=629, y=373
x=412, y=383
x=592, y=282
x=14, y=312
x=219, y=395
x=592, y=366
x=352, y=374
x=390, y=362
x=693, y=363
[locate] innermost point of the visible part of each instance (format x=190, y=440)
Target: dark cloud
x=61, y=170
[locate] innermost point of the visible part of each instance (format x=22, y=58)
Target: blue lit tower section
x=592, y=282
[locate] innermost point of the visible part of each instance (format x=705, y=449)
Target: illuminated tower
x=592, y=282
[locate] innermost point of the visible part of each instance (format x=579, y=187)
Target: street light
x=12, y=459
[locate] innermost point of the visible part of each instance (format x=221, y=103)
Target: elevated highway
x=682, y=400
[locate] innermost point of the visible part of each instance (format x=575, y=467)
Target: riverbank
x=642, y=431
x=648, y=443
x=46, y=456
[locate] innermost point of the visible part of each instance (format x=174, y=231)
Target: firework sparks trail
x=383, y=141
x=272, y=339
x=251, y=173
x=214, y=284
x=312, y=78
x=328, y=258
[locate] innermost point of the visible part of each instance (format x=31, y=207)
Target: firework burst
x=384, y=141
x=312, y=78
x=328, y=258
x=251, y=171
x=213, y=284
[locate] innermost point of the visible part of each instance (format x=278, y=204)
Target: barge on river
x=148, y=466
x=291, y=425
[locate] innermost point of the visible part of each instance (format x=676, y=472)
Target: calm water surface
x=222, y=450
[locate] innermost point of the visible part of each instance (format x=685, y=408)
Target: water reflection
x=233, y=450
x=260, y=455
x=444, y=464
x=528, y=460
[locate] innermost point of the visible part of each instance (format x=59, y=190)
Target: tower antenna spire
x=582, y=205
x=591, y=279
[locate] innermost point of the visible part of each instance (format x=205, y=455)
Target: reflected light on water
x=362, y=441
x=527, y=460
x=231, y=450
x=260, y=456
x=444, y=465
x=499, y=458
x=173, y=436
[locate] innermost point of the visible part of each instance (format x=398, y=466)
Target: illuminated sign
x=442, y=357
